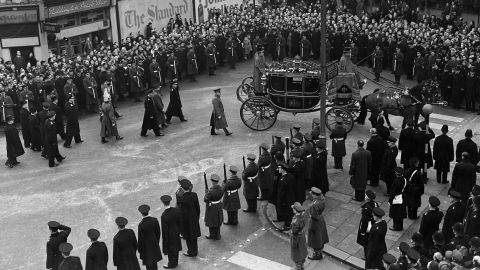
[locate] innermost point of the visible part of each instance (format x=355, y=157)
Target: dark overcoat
x=160, y=115
x=150, y=114
x=472, y=223
x=97, y=256
x=376, y=245
x=231, y=198
x=171, y=220
x=338, y=136
x=14, y=145
x=377, y=61
x=421, y=138
x=218, y=119
x=71, y=113
x=54, y=257
x=125, y=250
x=298, y=169
x=429, y=225
x=398, y=211
x=35, y=135
x=149, y=240
x=24, y=114
x=265, y=175
x=286, y=198
x=443, y=152
x=455, y=213
x=319, y=171
x=71, y=263
x=406, y=145
x=367, y=217
x=389, y=163
x=464, y=177
x=190, y=211
x=376, y=145
x=214, y=211
x=360, y=165
x=250, y=181
x=298, y=243
x=51, y=143
x=469, y=146
x=415, y=187
x=175, y=105
x=317, y=228
x=108, y=122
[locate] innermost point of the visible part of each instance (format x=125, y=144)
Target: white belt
x=215, y=202
x=251, y=178
x=231, y=191
x=339, y=139
x=309, y=156
x=266, y=167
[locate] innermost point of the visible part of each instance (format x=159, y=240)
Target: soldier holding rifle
x=231, y=200
x=213, y=212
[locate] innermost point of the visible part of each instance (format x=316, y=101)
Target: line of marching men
x=280, y=179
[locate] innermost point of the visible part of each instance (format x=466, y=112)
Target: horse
x=406, y=103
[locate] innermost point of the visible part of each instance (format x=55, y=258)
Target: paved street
x=97, y=183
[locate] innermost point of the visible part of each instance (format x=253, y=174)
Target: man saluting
x=59, y=235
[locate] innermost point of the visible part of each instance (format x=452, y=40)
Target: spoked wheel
x=258, y=113
x=339, y=112
x=248, y=80
x=244, y=91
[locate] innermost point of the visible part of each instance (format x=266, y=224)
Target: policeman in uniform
x=397, y=200
x=171, y=221
x=250, y=186
x=265, y=175
x=455, y=213
x=376, y=145
x=190, y=210
x=214, y=212
x=376, y=245
x=148, y=239
x=319, y=171
x=69, y=262
x=388, y=259
x=316, y=129
x=125, y=247
x=317, y=228
x=367, y=218
x=430, y=221
x=97, y=253
x=298, y=169
x=338, y=136
x=231, y=199
x=406, y=144
x=402, y=259
x=58, y=235
x=389, y=163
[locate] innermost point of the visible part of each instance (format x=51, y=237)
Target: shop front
x=81, y=25
x=19, y=32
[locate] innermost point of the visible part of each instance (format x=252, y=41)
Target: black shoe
x=144, y=135
x=54, y=165
x=169, y=267
x=228, y=133
x=104, y=141
x=183, y=120
x=80, y=141
x=67, y=146
x=395, y=229
x=213, y=133
x=249, y=211
x=188, y=255
x=119, y=116
x=159, y=134
x=315, y=258
x=210, y=238
x=119, y=138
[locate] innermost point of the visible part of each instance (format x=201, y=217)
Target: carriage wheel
x=248, y=80
x=244, y=91
x=333, y=113
x=258, y=113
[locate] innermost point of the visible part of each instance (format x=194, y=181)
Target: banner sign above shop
x=68, y=9
x=18, y=16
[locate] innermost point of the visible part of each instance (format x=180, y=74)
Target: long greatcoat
x=213, y=211
x=160, y=115
x=250, y=181
x=148, y=240
x=231, y=198
x=317, y=228
x=421, y=139
x=338, y=136
x=415, y=188
x=51, y=143
x=443, y=152
x=319, y=171
x=406, y=145
x=108, y=123
x=97, y=256
x=298, y=243
x=464, y=177
x=455, y=213
x=171, y=221
x=150, y=115
x=387, y=173
x=429, y=225
x=14, y=145
x=367, y=217
x=377, y=60
x=190, y=211
x=125, y=250
x=71, y=113
x=376, y=245
x=265, y=175
x=285, y=197
x=218, y=111
x=71, y=263
x=35, y=133
x=398, y=211
x=376, y=145
x=360, y=165
x=175, y=105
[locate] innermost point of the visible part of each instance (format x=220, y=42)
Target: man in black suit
x=430, y=222
x=406, y=145
x=69, y=262
x=376, y=245
x=125, y=247
x=455, y=213
x=171, y=224
x=443, y=154
x=97, y=253
x=190, y=210
x=376, y=145
x=148, y=239
x=58, y=235
x=464, y=176
x=469, y=146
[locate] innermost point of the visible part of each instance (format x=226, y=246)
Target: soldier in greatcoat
x=430, y=221
x=315, y=129
x=297, y=165
x=97, y=253
x=305, y=47
x=155, y=74
x=36, y=137
x=338, y=136
x=443, y=154
x=265, y=175
x=376, y=145
x=470, y=90
x=387, y=171
x=367, y=217
x=231, y=198
x=108, y=122
x=60, y=128
x=298, y=243
x=150, y=117
x=171, y=221
x=317, y=228
x=58, y=235
x=125, y=247
x=190, y=210
x=218, y=119
x=259, y=66
x=250, y=183
x=455, y=213
x=472, y=220
x=415, y=188
x=406, y=144
x=90, y=87
x=280, y=47
x=319, y=171
x=24, y=114
x=159, y=108
x=376, y=245
x=14, y=145
x=69, y=262
x=192, y=65
x=397, y=200
x=149, y=239
x=310, y=151
x=214, y=211
x=211, y=58
x=73, y=127
x=277, y=146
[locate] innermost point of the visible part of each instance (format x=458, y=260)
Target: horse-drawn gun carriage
x=294, y=86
